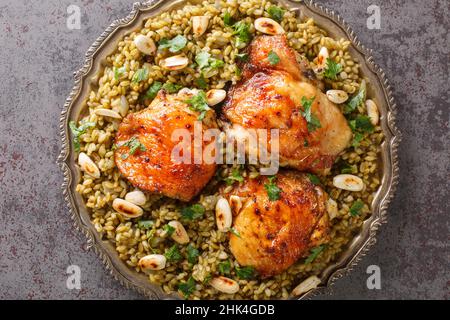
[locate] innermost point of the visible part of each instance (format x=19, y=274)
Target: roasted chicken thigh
x=145, y=144
x=272, y=235
x=272, y=96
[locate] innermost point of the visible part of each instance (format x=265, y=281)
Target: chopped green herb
x=235, y=232
x=273, y=191
x=357, y=138
x=235, y=176
x=227, y=19
x=201, y=82
x=357, y=100
x=199, y=103
x=363, y=124
x=312, y=121
x=356, y=207
x=77, y=132
x=118, y=72
x=242, y=31
x=174, y=45
x=153, y=90
x=187, y=287
x=245, y=273
x=305, y=143
x=276, y=13
x=173, y=254
x=206, y=63
x=242, y=56
x=207, y=279
x=140, y=75
x=171, y=87
x=313, y=178
x=332, y=69
x=345, y=168
x=238, y=71
x=169, y=230
x=133, y=144
x=314, y=254
x=145, y=224
x=193, y=212
x=273, y=58
x=192, y=254
x=225, y=267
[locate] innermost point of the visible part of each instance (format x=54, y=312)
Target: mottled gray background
x=38, y=55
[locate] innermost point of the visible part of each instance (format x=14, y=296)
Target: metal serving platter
x=87, y=77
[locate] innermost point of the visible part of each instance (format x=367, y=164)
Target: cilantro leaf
x=227, y=19
x=276, y=13
x=173, y=254
x=140, y=75
x=118, y=72
x=206, y=63
x=235, y=232
x=133, y=145
x=357, y=138
x=312, y=121
x=201, y=82
x=314, y=254
x=273, y=58
x=192, y=254
x=242, y=31
x=273, y=191
x=187, y=287
x=314, y=179
x=357, y=100
x=153, y=90
x=77, y=132
x=171, y=87
x=332, y=69
x=169, y=230
x=245, y=273
x=235, y=176
x=242, y=56
x=225, y=267
x=193, y=212
x=174, y=45
x=199, y=103
x=145, y=224
x=356, y=207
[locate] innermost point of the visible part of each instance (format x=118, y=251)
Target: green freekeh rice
x=132, y=241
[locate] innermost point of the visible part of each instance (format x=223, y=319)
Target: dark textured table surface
x=37, y=241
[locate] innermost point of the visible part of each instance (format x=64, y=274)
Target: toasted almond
x=348, y=182
x=337, y=96
x=145, y=44
x=322, y=59
x=137, y=197
x=174, y=63
x=372, y=111
x=126, y=208
x=307, y=285
x=152, y=262
x=332, y=208
x=268, y=26
x=215, y=96
x=179, y=235
x=225, y=285
x=235, y=204
x=87, y=165
x=200, y=25
x=123, y=106
x=107, y=113
x=224, y=218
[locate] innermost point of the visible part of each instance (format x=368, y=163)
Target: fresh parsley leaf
x=314, y=179
x=201, y=82
x=276, y=13
x=173, y=254
x=153, y=90
x=242, y=56
x=273, y=58
x=314, y=254
x=345, y=168
x=227, y=19
x=192, y=254
x=242, y=31
x=174, y=45
x=133, y=145
x=193, y=212
x=140, y=75
x=357, y=138
x=356, y=207
x=235, y=176
x=187, y=287
x=235, y=232
x=171, y=87
x=145, y=224
x=199, y=103
x=118, y=72
x=312, y=121
x=332, y=69
x=225, y=267
x=363, y=124
x=78, y=131
x=206, y=63
x=273, y=191
x=169, y=230
x=245, y=273
x=357, y=100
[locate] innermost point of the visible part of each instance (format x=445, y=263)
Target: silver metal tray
x=87, y=76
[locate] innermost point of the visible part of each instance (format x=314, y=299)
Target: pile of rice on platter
x=228, y=229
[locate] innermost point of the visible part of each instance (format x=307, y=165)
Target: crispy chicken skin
x=154, y=170
x=270, y=97
x=275, y=234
